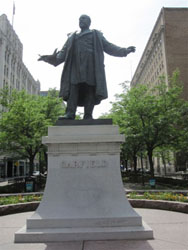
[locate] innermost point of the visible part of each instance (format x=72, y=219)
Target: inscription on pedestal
x=84, y=164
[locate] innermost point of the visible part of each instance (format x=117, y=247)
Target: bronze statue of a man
x=83, y=81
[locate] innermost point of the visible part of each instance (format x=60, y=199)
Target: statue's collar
x=79, y=33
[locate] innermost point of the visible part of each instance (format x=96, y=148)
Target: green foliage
x=134, y=195
x=151, y=118
x=105, y=116
x=19, y=199
x=51, y=106
x=25, y=121
x=159, y=196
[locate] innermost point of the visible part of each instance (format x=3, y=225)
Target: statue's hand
x=46, y=58
x=131, y=49
x=43, y=58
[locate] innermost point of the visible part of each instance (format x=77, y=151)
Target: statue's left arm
x=115, y=50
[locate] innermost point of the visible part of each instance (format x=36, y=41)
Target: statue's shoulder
x=98, y=32
x=71, y=34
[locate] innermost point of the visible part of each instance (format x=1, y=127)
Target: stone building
x=13, y=72
x=165, y=51
x=15, y=75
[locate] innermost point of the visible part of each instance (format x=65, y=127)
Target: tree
x=25, y=121
x=153, y=115
x=131, y=148
x=180, y=146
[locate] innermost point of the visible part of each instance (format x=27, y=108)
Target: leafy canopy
x=151, y=118
x=26, y=120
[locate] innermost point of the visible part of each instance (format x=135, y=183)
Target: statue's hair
x=88, y=17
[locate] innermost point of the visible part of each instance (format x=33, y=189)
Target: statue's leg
x=89, y=102
x=72, y=102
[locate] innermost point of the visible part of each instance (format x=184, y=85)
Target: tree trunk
x=150, y=158
x=135, y=164
x=164, y=163
x=31, y=165
x=141, y=158
x=125, y=162
x=40, y=162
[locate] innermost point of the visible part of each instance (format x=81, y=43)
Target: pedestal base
x=84, y=198
x=79, y=234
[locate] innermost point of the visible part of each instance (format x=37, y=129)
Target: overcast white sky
x=43, y=25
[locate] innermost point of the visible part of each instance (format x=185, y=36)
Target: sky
x=43, y=25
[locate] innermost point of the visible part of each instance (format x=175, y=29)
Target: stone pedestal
x=84, y=198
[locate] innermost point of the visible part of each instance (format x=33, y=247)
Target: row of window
x=152, y=73
x=154, y=67
x=12, y=61
x=12, y=38
x=16, y=74
x=20, y=76
x=17, y=84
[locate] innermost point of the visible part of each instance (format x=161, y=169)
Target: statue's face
x=84, y=21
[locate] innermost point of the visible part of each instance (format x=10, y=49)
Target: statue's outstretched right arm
x=56, y=58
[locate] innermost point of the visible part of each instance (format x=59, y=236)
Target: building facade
x=166, y=51
x=15, y=75
x=13, y=72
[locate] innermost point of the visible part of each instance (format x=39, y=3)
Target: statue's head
x=84, y=21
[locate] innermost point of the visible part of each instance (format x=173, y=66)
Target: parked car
x=36, y=173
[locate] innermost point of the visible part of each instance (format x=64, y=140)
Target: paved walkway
x=170, y=233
